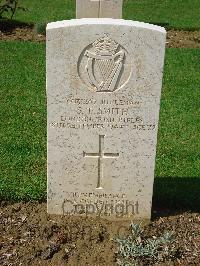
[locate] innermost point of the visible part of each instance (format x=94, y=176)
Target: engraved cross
x=101, y=156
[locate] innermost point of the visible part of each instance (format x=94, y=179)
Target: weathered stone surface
x=99, y=8
x=87, y=9
x=104, y=81
x=111, y=8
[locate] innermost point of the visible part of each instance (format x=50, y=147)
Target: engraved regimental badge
x=103, y=66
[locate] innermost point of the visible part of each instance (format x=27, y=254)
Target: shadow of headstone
x=176, y=195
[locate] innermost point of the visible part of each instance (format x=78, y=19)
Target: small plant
x=135, y=248
x=9, y=7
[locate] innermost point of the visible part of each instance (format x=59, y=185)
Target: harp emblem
x=104, y=64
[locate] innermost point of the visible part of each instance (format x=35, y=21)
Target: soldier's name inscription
x=113, y=114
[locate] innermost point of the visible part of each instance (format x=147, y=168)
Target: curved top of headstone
x=104, y=21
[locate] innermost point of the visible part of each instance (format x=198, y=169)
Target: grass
x=46, y=10
x=23, y=124
x=178, y=160
x=172, y=13
x=179, y=134
x=22, y=120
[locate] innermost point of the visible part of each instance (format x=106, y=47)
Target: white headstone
x=111, y=8
x=99, y=8
x=104, y=81
x=87, y=9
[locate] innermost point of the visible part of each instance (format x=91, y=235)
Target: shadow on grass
x=8, y=25
x=174, y=195
x=162, y=24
